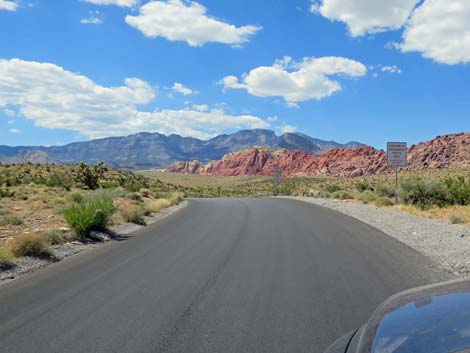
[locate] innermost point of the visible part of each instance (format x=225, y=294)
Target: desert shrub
x=133, y=214
x=58, y=179
x=6, y=193
x=134, y=196
x=146, y=193
x=6, y=258
x=384, y=190
x=342, y=195
x=331, y=188
x=458, y=190
x=456, y=219
x=176, y=198
x=28, y=245
x=9, y=219
x=367, y=197
x=156, y=206
x=93, y=213
x=383, y=201
x=133, y=185
x=362, y=186
x=425, y=193
x=76, y=197
x=55, y=237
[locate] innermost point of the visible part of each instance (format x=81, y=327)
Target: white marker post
x=397, y=157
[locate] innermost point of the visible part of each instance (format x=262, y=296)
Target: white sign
x=396, y=154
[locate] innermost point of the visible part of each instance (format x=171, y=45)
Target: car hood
x=431, y=319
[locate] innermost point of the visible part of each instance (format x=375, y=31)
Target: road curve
x=235, y=275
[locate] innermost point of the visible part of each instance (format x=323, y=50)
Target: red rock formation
x=443, y=151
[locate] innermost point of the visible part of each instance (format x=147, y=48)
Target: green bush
x=6, y=258
x=55, y=237
x=367, y=197
x=425, y=193
x=76, y=197
x=134, y=214
x=331, y=188
x=90, y=175
x=93, y=213
x=29, y=245
x=6, y=193
x=60, y=180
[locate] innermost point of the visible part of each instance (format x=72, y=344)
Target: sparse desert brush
x=6, y=193
x=133, y=213
x=456, y=219
x=176, y=198
x=384, y=201
x=366, y=197
x=29, y=245
x=55, y=237
x=342, y=195
x=76, y=197
x=134, y=196
x=6, y=258
x=155, y=206
x=92, y=213
x=10, y=219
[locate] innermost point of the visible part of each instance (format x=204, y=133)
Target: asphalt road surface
x=259, y=275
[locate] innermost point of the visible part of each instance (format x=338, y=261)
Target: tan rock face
x=442, y=152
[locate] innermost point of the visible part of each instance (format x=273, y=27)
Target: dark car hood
x=431, y=319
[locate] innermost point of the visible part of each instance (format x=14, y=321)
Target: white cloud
x=57, y=98
x=297, y=81
x=8, y=5
x=287, y=128
x=11, y=122
x=393, y=69
x=178, y=87
x=201, y=108
x=182, y=20
x=440, y=30
x=9, y=112
x=91, y=21
x=15, y=131
x=272, y=119
x=366, y=16
x=122, y=3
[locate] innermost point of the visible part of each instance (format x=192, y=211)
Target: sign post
x=277, y=176
x=397, y=157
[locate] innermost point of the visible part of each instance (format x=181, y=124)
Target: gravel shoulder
x=447, y=245
x=26, y=265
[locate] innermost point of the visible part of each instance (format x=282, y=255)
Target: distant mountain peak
x=154, y=150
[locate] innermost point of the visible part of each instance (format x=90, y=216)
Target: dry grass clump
x=29, y=245
x=6, y=258
x=9, y=219
x=452, y=214
x=155, y=206
x=133, y=213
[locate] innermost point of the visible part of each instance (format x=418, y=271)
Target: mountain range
x=153, y=150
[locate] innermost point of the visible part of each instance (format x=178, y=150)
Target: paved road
x=260, y=275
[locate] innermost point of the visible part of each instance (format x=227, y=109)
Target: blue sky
x=74, y=70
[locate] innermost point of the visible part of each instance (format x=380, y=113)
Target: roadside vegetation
x=438, y=193
x=42, y=206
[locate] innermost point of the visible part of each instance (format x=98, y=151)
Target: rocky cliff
x=441, y=152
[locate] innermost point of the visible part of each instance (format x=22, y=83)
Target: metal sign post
x=277, y=176
x=397, y=157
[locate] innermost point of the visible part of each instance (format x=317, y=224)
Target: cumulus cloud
x=181, y=20
x=8, y=5
x=440, y=30
x=366, y=16
x=297, y=81
x=56, y=98
x=122, y=3
x=15, y=131
x=9, y=112
x=179, y=88
x=201, y=107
